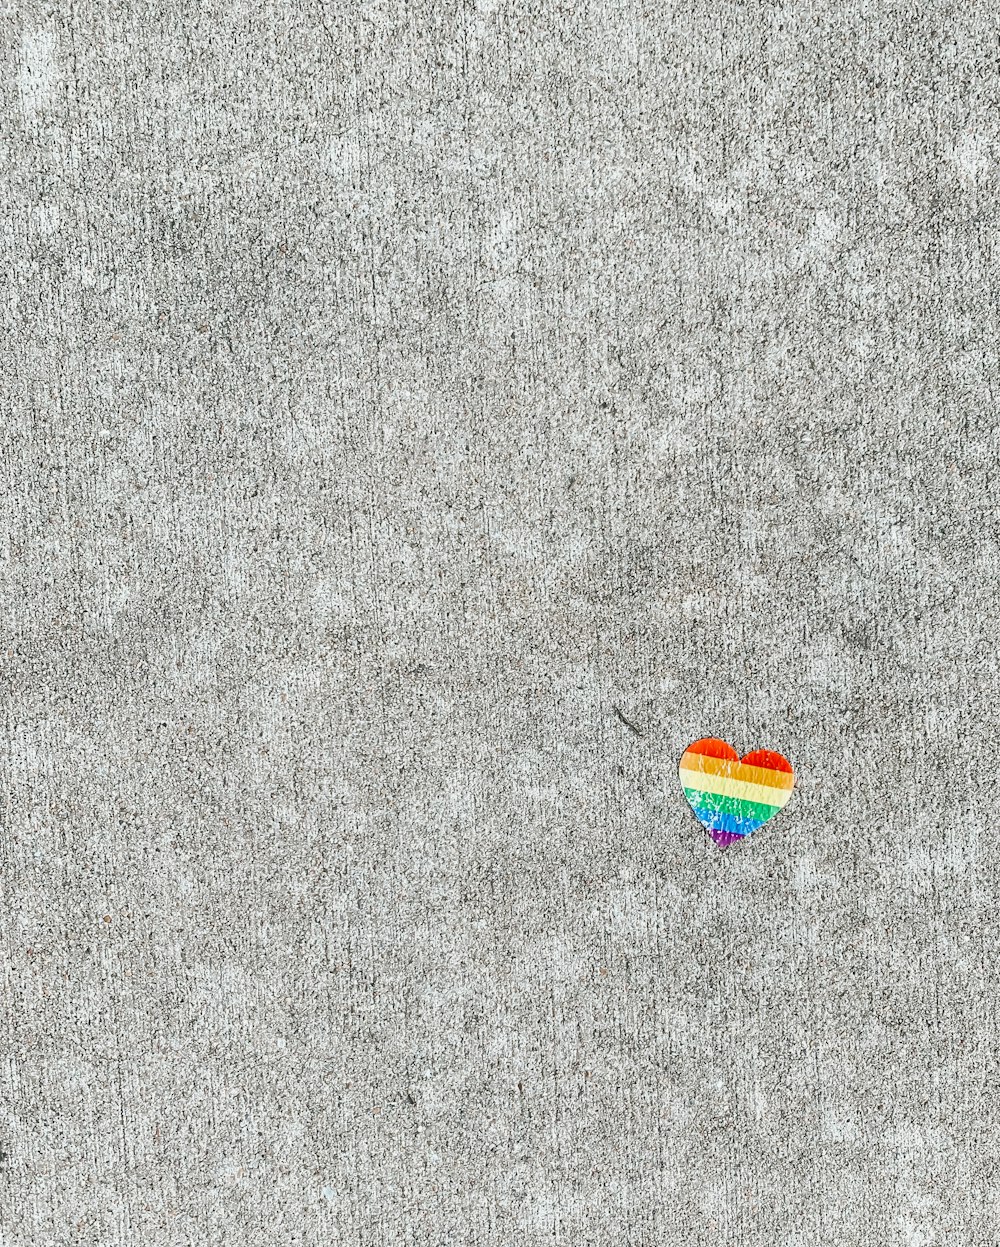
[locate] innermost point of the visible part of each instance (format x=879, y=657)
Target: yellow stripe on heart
x=726, y=786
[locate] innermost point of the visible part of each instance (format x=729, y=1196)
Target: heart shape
x=733, y=796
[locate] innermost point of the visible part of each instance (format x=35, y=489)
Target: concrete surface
x=394, y=393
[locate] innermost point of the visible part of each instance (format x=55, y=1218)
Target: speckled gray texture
x=393, y=392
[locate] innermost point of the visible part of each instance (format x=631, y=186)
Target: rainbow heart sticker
x=730, y=796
